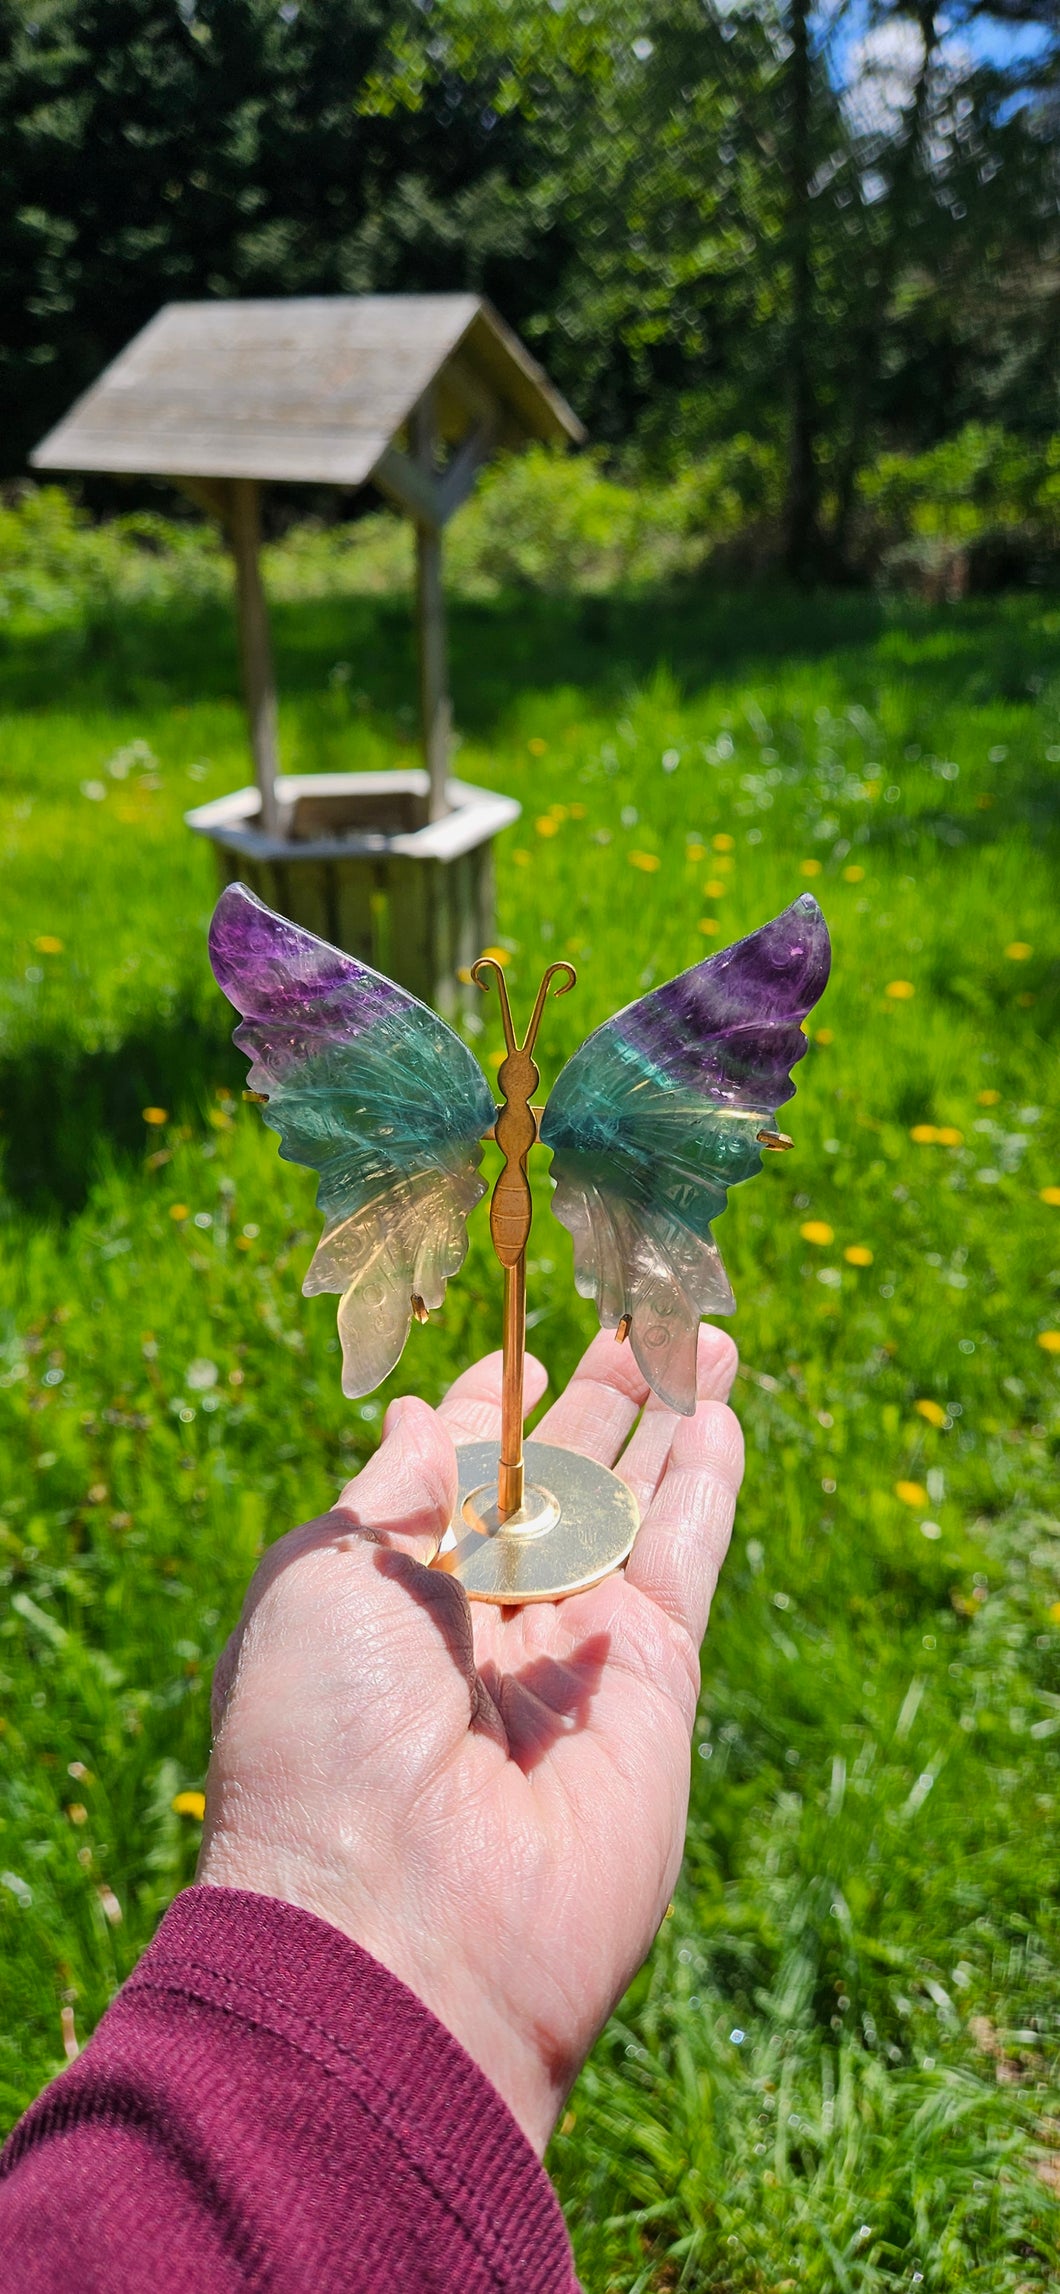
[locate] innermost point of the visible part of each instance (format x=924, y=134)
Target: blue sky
x=878, y=58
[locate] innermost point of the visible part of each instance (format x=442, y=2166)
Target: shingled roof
x=305, y=389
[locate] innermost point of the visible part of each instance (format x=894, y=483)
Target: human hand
x=492, y=1802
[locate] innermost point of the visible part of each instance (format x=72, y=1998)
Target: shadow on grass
x=62, y=1108
x=139, y=654
x=979, y=650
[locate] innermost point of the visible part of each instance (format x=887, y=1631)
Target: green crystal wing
x=375, y=1093
x=657, y=1116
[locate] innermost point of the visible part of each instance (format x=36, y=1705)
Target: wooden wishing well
x=412, y=394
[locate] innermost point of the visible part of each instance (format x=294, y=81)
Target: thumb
x=406, y=1494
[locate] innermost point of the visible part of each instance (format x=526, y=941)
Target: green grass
x=839, y=2068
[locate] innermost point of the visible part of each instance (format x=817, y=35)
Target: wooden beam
x=243, y=528
x=435, y=707
x=461, y=471
x=412, y=486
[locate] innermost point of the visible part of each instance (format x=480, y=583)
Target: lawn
x=840, y=2068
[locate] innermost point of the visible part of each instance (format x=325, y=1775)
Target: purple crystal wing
x=292, y=988
x=376, y=1094
x=731, y=1027
x=657, y=1116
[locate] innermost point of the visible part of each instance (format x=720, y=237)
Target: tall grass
x=839, y=2069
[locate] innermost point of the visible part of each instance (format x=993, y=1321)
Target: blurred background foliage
x=829, y=236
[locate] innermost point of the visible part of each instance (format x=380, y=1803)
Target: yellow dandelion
x=817, y=1231
x=696, y=852
x=189, y=1804
x=559, y=811
x=521, y=857
x=932, y=1411
x=647, y=861
x=578, y=811
x=948, y=1135
x=899, y=991
x=809, y=868
x=715, y=889
x=853, y=874
x=464, y=975
x=1018, y=951
x=546, y=826
x=825, y=1036
x=1054, y=1612
x=925, y=1134
x=497, y=1058
x=537, y=746
x=708, y=925
x=723, y=843
x=46, y=944
x=1050, y=1339
x=498, y=956
x=857, y=1254
x=1050, y=1195
x=155, y=1115
x=911, y=1493
x=988, y=1098
x=179, y=1211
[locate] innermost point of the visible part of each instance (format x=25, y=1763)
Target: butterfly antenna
x=570, y=982
x=490, y=964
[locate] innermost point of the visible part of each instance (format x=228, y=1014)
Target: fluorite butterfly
x=650, y=1123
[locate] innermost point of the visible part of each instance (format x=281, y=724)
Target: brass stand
x=510, y=1464
x=574, y=1521
x=577, y=1523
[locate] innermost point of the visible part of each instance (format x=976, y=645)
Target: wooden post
x=243, y=522
x=435, y=706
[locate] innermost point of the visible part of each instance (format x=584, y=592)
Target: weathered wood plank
x=301, y=388
x=409, y=884
x=435, y=709
x=355, y=883
x=243, y=527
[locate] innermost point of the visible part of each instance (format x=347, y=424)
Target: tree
x=159, y=151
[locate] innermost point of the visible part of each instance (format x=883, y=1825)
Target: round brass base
x=576, y=1524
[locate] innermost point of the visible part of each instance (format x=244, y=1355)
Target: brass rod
x=510, y=1471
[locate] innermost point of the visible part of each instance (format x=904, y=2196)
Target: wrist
x=532, y=2086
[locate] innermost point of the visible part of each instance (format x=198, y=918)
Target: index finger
x=682, y=1542
x=472, y=1407
x=600, y=1406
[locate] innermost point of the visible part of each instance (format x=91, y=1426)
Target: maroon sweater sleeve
x=265, y=2107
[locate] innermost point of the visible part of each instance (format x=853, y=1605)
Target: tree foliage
x=838, y=235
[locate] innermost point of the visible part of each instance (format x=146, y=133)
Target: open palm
x=492, y=1802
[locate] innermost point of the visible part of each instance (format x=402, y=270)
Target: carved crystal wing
x=375, y=1093
x=657, y=1116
